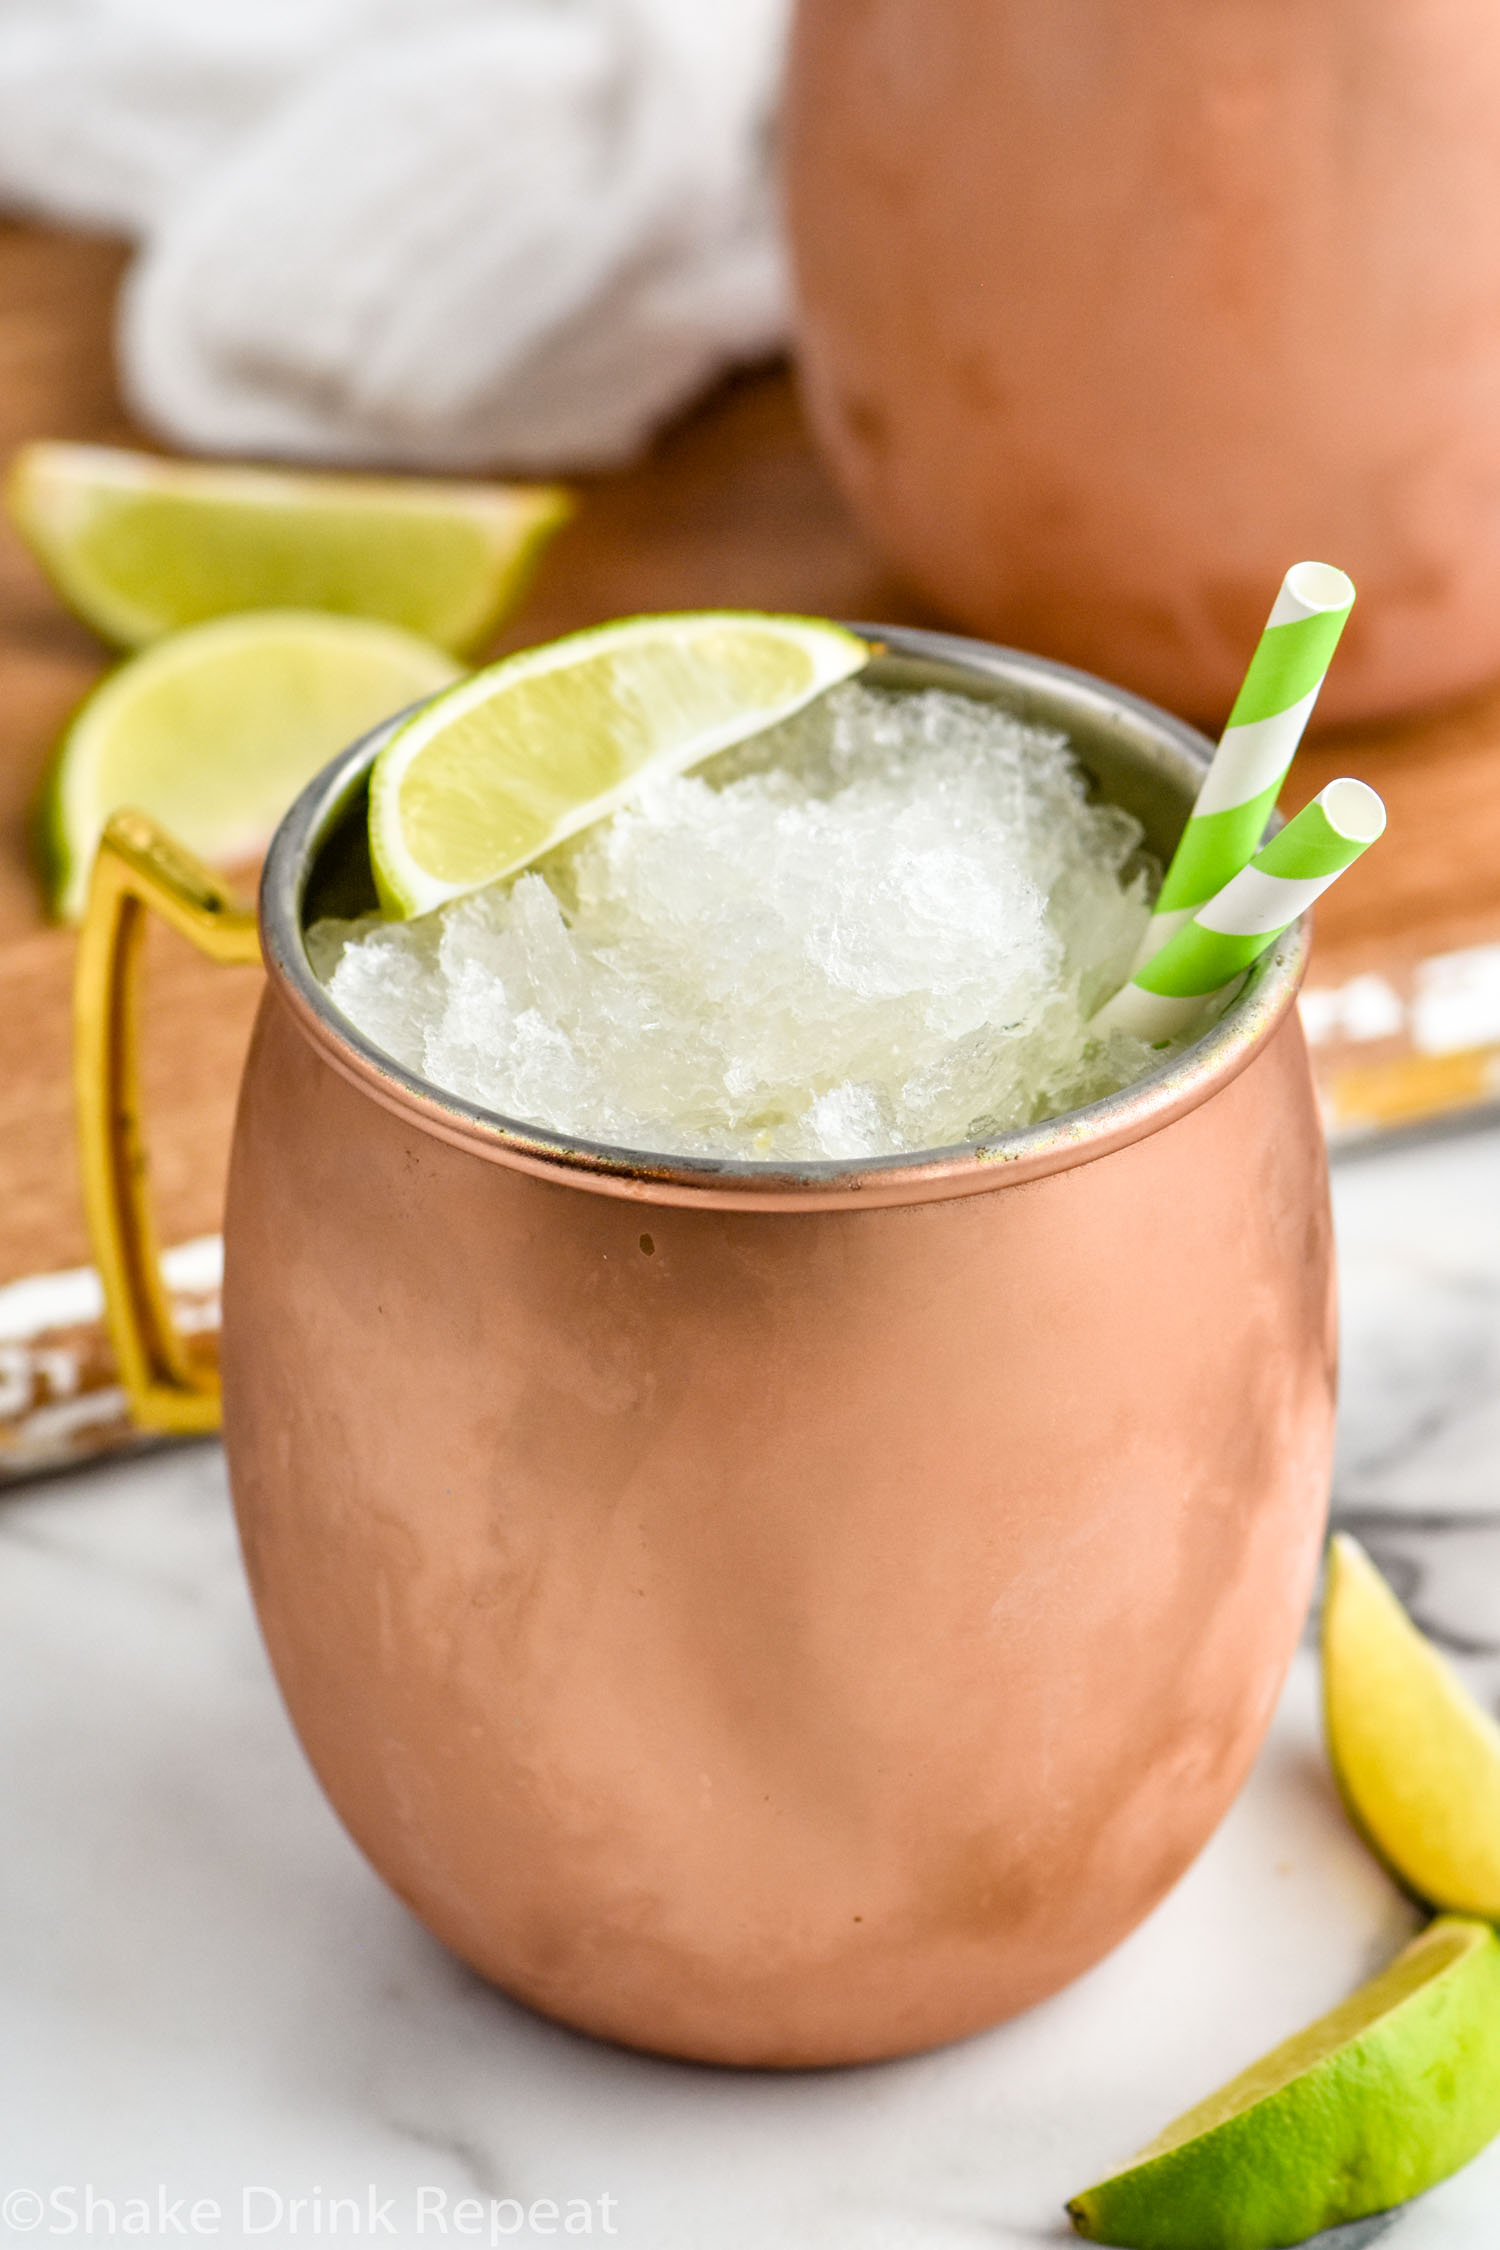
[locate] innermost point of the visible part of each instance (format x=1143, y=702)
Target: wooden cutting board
x=732, y=509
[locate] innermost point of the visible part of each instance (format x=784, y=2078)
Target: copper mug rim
x=1177, y=754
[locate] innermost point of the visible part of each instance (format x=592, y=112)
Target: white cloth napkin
x=429, y=233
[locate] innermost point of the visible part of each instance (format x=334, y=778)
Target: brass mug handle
x=138, y=867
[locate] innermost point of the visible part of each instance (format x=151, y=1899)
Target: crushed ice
x=881, y=927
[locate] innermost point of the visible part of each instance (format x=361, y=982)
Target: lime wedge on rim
x=215, y=730
x=1371, y=2105
x=494, y=773
x=140, y=546
x=1417, y=1760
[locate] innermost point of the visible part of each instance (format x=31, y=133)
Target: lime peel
x=1416, y=1759
x=214, y=730
x=141, y=546
x=1367, y=2107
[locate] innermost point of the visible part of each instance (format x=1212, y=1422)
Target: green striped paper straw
x=1249, y=914
x=1241, y=787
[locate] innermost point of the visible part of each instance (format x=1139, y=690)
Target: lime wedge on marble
x=140, y=546
x=215, y=730
x=541, y=745
x=1368, y=2107
x=1416, y=1759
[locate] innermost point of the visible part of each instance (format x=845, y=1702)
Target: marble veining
x=206, y=1996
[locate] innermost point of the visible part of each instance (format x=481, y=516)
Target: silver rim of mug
x=1150, y=741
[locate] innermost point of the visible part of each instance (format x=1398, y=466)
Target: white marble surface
x=205, y=1994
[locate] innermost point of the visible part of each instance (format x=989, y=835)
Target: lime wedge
x=1416, y=1759
x=215, y=730
x=1369, y=2106
x=535, y=748
x=140, y=546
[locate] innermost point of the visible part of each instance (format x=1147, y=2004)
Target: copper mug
x=769, y=1614
x=1107, y=308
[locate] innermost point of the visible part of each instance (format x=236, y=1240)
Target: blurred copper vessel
x=773, y=1616
x=1111, y=310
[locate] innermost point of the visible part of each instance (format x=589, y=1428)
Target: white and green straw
x=1230, y=931
x=1241, y=787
